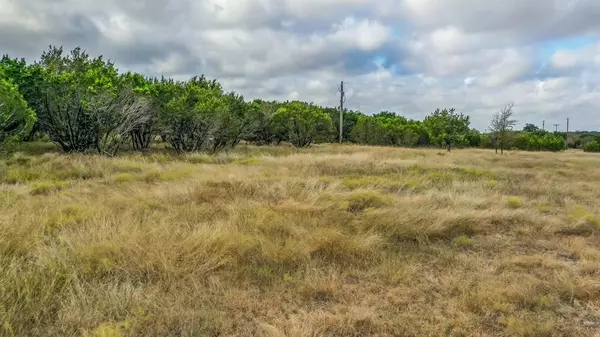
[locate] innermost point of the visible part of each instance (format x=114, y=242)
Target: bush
x=592, y=146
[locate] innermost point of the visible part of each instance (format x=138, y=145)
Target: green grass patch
x=124, y=178
x=247, y=161
x=46, y=187
x=463, y=241
x=360, y=201
x=176, y=174
x=68, y=216
x=514, y=202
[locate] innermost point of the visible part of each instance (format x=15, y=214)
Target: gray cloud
x=411, y=56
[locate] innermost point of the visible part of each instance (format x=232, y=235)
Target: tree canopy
x=84, y=104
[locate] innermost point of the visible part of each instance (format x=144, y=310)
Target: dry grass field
x=327, y=241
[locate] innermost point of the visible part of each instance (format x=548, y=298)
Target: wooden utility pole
x=544, y=125
x=567, y=136
x=556, y=126
x=342, y=97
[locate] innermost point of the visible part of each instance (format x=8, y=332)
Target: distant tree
x=301, y=123
x=474, y=138
x=447, y=128
x=501, y=126
x=350, y=120
x=592, y=146
x=368, y=131
x=530, y=128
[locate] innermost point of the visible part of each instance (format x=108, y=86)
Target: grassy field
x=328, y=241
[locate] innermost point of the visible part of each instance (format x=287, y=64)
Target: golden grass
x=326, y=241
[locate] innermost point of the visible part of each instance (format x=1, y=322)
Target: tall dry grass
x=329, y=241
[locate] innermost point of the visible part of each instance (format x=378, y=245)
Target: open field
x=328, y=241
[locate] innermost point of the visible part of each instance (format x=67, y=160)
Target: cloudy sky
x=408, y=56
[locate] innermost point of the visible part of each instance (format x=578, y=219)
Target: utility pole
x=342, y=97
x=556, y=125
x=567, y=136
x=544, y=125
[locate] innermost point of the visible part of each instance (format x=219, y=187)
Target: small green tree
x=367, y=131
x=191, y=113
x=447, y=128
x=16, y=118
x=301, y=123
x=74, y=87
x=260, y=114
x=592, y=146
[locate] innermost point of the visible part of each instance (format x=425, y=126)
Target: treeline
x=83, y=104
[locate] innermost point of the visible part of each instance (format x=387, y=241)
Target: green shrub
x=592, y=146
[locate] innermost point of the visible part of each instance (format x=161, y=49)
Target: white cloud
x=411, y=56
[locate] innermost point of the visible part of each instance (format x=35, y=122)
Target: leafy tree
x=301, y=123
x=143, y=133
x=592, y=146
x=502, y=125
x=350, y=119
x=73, y=87
x=474, y=138
x=531, y=128
x=26, y=79
x=16, y=118
x=233, y=123
x=447, y=128
x=368, y=131
x=260, y=114
x=191, y=114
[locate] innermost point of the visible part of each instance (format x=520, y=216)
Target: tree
x=301, y=123
x=26, y=79
x=447, y=128
x=16, y=118
x=501, y=126
x=191, y=113
x=592, y=146
x=233, y=123
x=530, y=128
x=72, y=88
x=367, y=131
x=260, y=114
x=118, y=116
x=142, y=134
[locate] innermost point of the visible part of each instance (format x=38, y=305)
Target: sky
x=407, y=56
